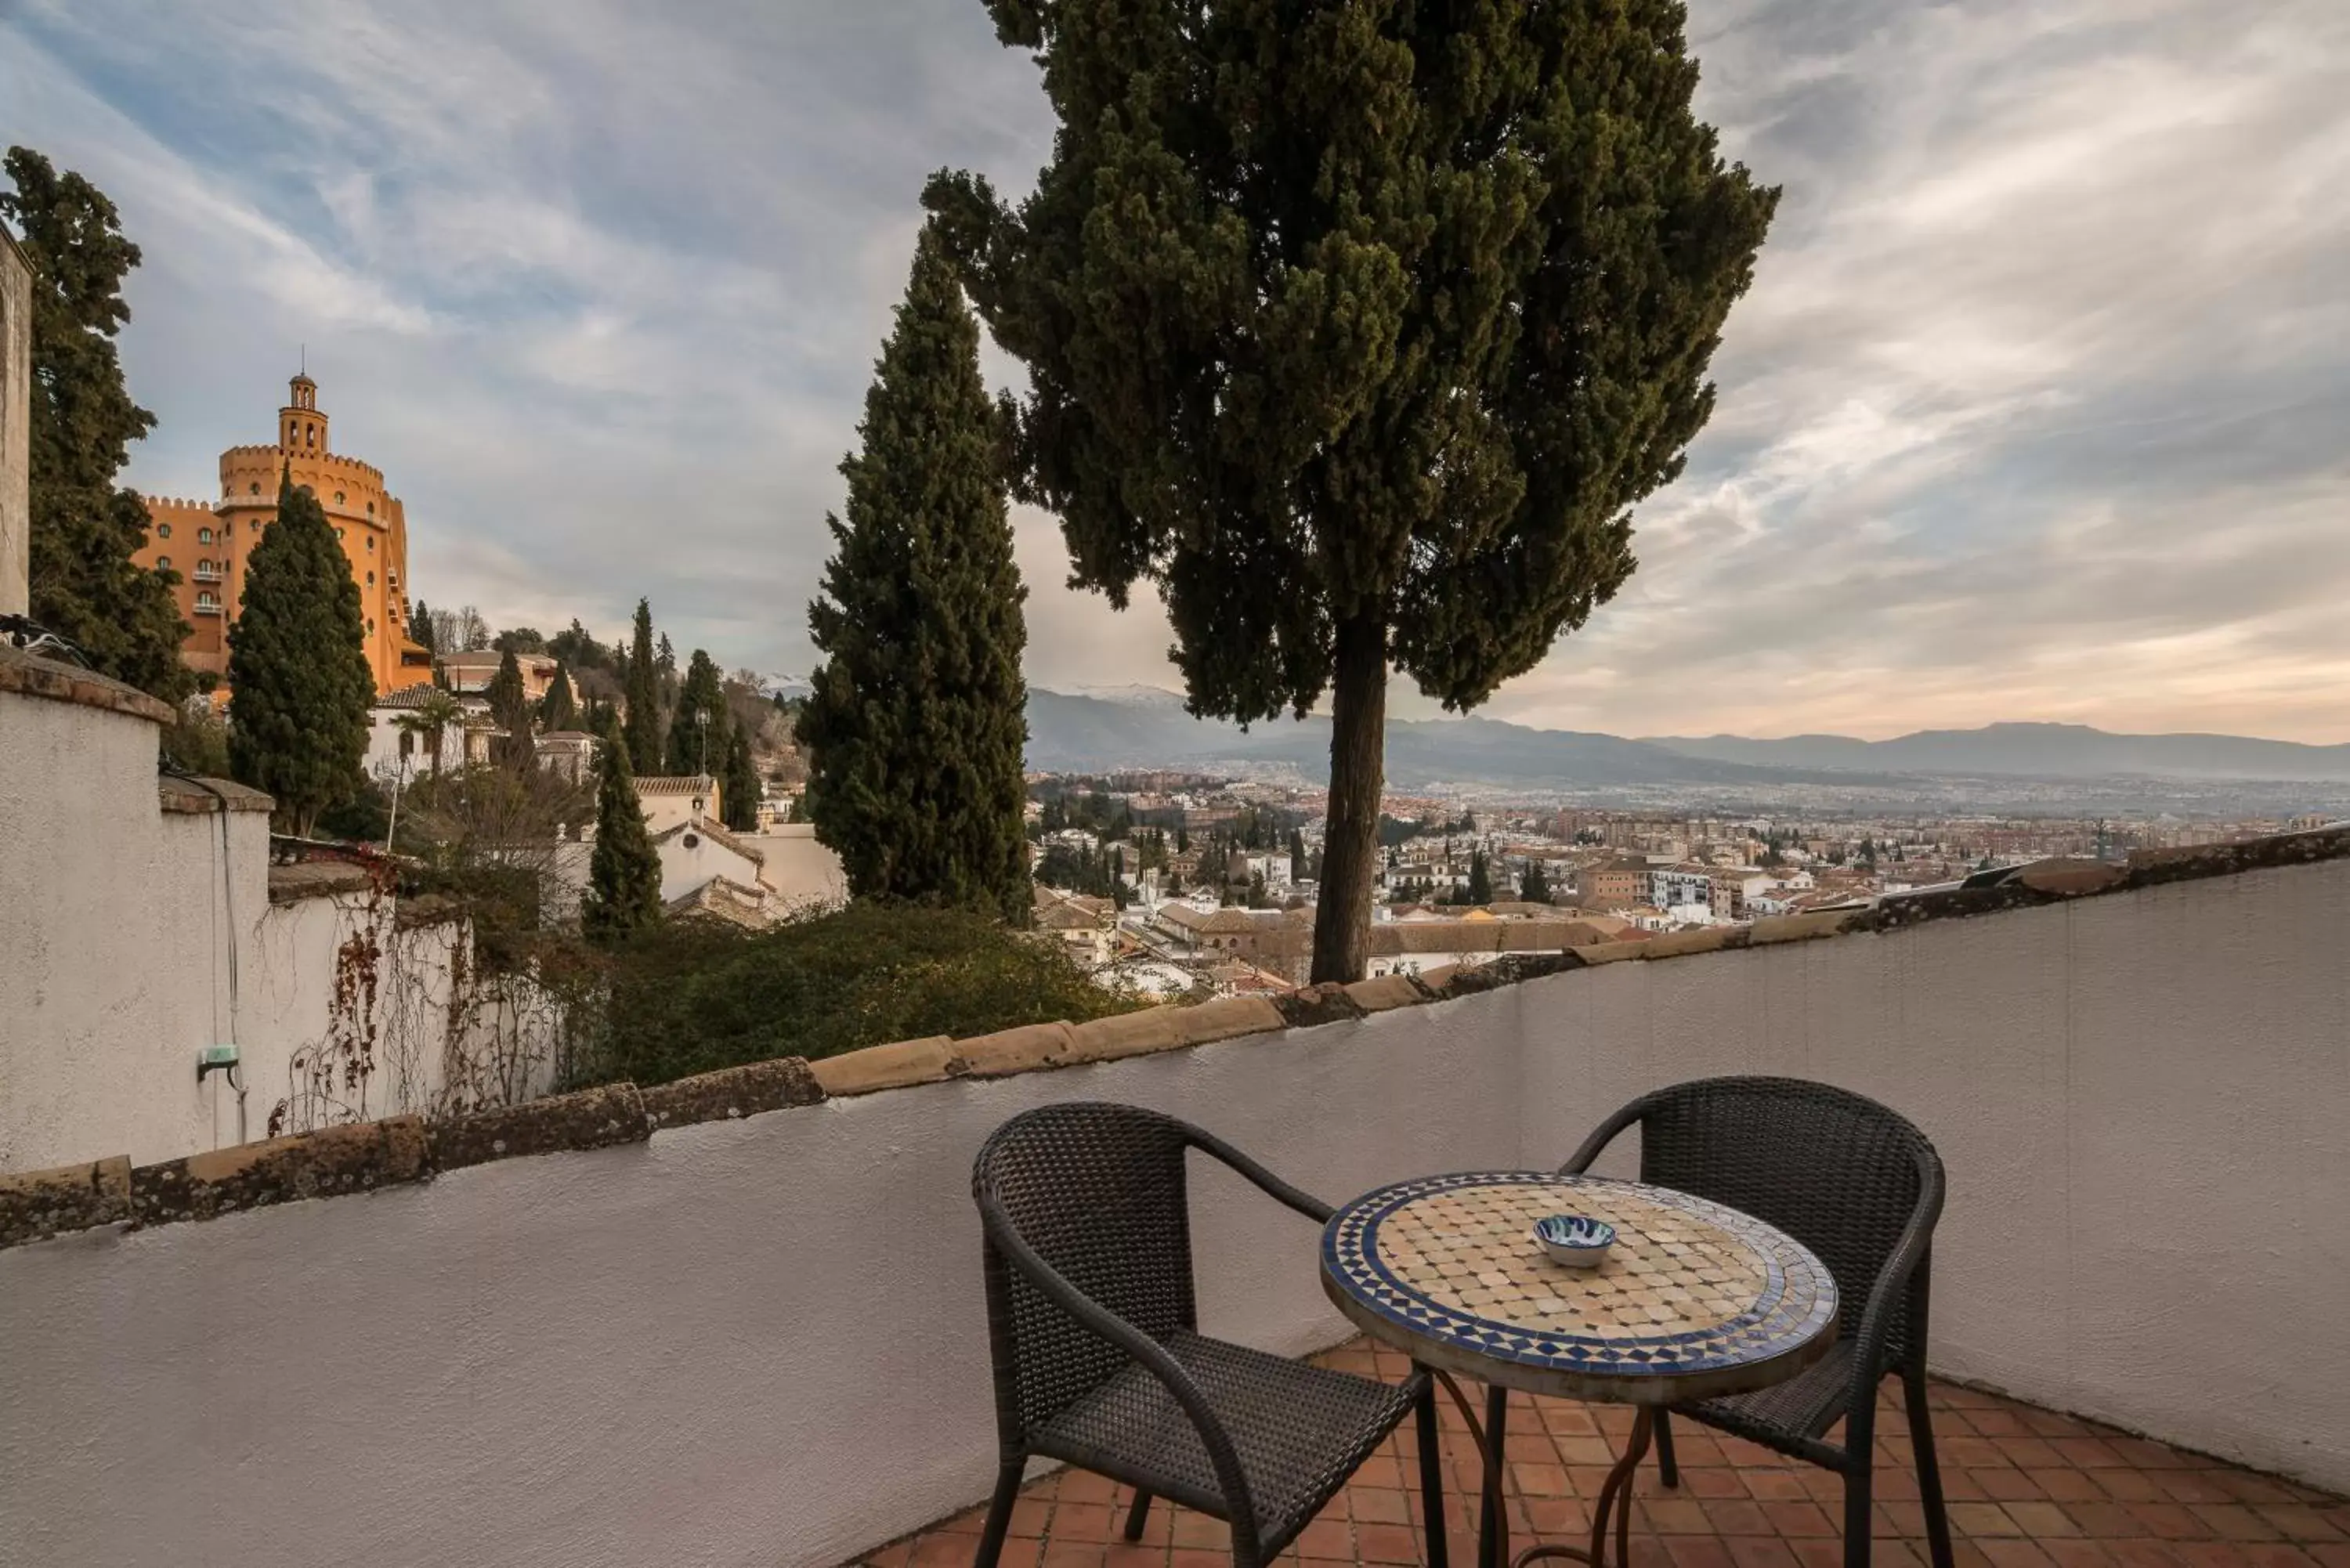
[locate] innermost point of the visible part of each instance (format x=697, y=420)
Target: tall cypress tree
x=643, y=697
x=623, y=872
x=510, y=708
x=1534, y=887
x=741, y=789
x=1480, y=877
x=915, y=727
x=559, y=708
x=1359, y=328
x=297, y=668
x=84, y=526
x=697, y=730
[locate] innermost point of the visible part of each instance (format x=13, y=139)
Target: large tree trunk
x=1350, y=844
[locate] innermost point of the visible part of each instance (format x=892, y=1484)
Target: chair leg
x=1134, y=1515
x=1432, y=1479
x=1930, y=1475
x=1489, y=1534
x=999, y=1512
x=1667, y=1471
x=1859, y=1526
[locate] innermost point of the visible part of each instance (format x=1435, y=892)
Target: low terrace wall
x=738, y=1320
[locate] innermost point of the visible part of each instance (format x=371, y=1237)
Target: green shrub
x=695, y=996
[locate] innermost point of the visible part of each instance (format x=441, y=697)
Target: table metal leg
x=1615, y=1500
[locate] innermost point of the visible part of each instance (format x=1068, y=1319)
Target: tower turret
x=301, y=428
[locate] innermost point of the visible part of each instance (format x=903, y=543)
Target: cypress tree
x=1358, y=330
x=297, y=668
x=559, y=708
x=643, y=697
x=420, y=627
x=916, y=723
x=1480, y=877
x=741, y=788
x=1534, y=887
x=85, y=528
x=699, y=747
x=510, y=709
x=623, y=873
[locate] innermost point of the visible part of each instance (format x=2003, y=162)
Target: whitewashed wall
x=2143, y=1102
x=114, y=921
x=762, y=1340
x=747, y=1342
x=120, y=927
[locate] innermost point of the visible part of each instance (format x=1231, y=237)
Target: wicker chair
x=1098, y=1360
x=1861, y=1187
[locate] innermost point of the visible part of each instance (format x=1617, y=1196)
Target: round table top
x=1695, y=1300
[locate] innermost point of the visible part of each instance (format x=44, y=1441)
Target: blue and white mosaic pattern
x=1689, y=1286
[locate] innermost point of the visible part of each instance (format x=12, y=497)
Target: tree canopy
x=298, y=665
x=84, y=527
x=1357, y=329
x=917, y=722
x=697, y=730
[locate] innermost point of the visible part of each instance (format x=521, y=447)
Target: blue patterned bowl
x=1574, y=1241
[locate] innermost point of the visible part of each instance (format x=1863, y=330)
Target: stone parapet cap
x=29, y=675
x=189, y=796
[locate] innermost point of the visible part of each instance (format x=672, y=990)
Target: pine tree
x=741, y=789
x=643, y=697
x=1358, y=330
x=697, y=732
x=559, y=708
x=1534, y=887
x=297, y=666
x=916, y=725
x=623, y=873
x=84, y=527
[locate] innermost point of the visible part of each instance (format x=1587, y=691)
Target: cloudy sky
x=2039, y=408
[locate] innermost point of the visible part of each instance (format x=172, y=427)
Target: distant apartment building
x=472, y=672
x=1612, y=884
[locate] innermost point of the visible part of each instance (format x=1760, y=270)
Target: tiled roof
x=717, y=835
x=664, y=783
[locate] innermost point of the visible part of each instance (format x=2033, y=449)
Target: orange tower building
x=209, y=542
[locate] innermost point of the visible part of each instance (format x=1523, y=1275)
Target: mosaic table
x=1696, y=1301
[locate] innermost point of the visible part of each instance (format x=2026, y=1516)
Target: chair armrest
x=1909, y=1254
x=1099, y=1320
x=1305, y=1203
x=1603, y=1134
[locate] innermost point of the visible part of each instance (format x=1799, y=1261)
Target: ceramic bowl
x=1574, y=1241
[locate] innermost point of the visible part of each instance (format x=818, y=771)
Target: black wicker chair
x=1861, y=1187
x=1093, y=1325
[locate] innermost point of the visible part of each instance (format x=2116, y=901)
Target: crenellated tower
x=208, y=543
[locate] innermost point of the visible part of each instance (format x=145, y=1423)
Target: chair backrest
x=1838, y=1171
x=1098, y=1193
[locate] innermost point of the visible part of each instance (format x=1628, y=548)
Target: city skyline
x=2033, y=412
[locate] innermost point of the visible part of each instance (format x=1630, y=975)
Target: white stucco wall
x=121, y=926
x=684, y=867
x=803, y=871
x=114, y=950
x=762, y=1340
x=745, y=1343
x=2143, y=1102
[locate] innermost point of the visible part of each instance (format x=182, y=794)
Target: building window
x=371, y=626
x=339, y=532
x=370, y=508
x=203, y=536
x=162, y=563
x=162, y=530
x=370, y=541
x=254, y=489
x=370, y=579
x=338, y=498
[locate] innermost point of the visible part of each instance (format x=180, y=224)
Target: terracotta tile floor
x=2023, y=1485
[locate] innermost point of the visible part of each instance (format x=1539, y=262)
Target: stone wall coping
x=29, y=675
x=366, y=1156
x=187, y=796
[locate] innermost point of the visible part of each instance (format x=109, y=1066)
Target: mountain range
x=1137, y=726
